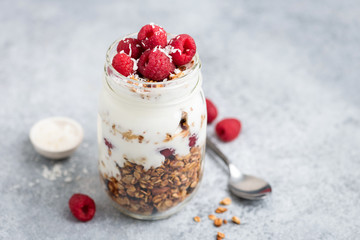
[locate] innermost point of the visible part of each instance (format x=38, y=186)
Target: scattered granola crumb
x=218, y=222
x=225, y=221
x=235, y=220
x=212, y=217
x=221, y=210
x=182, y=68
x=226, y=201
x=15, y=187
x=220, y=235
x=197, y=219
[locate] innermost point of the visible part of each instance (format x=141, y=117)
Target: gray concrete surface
x=288, y=69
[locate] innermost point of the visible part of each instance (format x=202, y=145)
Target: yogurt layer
x=138, y=133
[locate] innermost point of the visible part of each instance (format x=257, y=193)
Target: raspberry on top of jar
x=152, y=58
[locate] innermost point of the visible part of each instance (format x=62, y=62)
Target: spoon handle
x=217, y=151
x=234, y=171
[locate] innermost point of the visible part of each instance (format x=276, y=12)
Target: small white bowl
x=44, y=127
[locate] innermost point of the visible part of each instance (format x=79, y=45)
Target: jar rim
x=138, y=83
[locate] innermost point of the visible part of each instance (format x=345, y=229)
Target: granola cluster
x=158, y=189
x=217, y=221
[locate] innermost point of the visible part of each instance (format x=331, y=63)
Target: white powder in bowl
x=56, y=134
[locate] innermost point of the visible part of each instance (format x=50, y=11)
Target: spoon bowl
x=249, y=187
x=242, y=185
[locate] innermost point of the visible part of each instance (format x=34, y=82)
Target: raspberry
x=130, y=45
x=211, y=111
x=82, y=207
x=155, y=65
x=167, y=152
x=108, y=144
x=152, y=36
x=192, y=140
x=185, y=49
x=123, y=64
x=228, y=129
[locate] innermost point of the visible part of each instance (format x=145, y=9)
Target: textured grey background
x=288, y=69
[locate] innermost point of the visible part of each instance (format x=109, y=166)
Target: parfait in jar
x=151, y=123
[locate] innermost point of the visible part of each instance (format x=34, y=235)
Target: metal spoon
x=242, y=185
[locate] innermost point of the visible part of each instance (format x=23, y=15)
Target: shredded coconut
x=14, y=187
x=135, y=66
x=130, y=49
x=167, y=50
x=56, y=136
x=52, y=174
x=68, y=179
x=57, y=171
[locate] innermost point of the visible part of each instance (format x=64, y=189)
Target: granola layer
x=147, y=192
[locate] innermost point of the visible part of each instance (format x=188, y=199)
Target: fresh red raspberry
x=228, y=129
x=152, y=36
x=155, y=65
x=130, y=45
x=82, y=207
x=211, y=111
x=123, y=64
x=184, y=49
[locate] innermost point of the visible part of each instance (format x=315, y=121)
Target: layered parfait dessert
x=152, y=122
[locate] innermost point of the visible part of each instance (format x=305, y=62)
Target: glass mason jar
x=151, y=138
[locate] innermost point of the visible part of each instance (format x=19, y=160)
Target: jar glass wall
x=151, y=138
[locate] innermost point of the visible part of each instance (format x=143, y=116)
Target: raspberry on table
x=82, y=207
x=228, y=129
x=184, y=49
x=130, y=46
x=152, y=36
x=155, y=65
x=123, y=64
x=211, y=111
